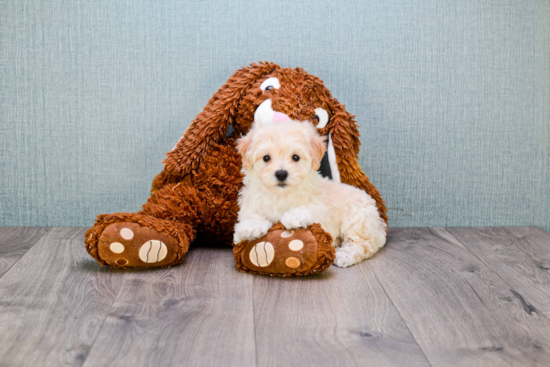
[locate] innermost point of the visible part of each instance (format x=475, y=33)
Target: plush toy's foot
x=135, y=241
x=286, y=253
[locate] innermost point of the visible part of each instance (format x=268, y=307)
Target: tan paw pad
x=292, y=262
x=296, y=245
x=153, y=251
x=262, y=254
x=287, y=233
x=117, y=247
x=126, y=233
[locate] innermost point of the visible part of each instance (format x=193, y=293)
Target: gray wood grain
x=15, y=241
x=53, y=302
x=338, y=318
x=459, y=297
x=199, y=314
x=519, y=255
x=459, y=311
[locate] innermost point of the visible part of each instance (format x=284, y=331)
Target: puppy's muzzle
x=281, y=175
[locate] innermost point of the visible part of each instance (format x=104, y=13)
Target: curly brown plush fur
x=196, y=193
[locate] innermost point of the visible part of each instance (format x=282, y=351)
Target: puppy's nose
x=281, y=175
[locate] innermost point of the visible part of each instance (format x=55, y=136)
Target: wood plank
x=519, y=255
x=15, y=242
x=53, y=302
x=199, y=313
x=340, y=317
x=459, y=311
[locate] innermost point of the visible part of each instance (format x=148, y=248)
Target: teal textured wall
x=453, y=98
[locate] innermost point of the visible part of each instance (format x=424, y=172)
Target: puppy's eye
x=269, y=87
x=295, y=158
x=267, y=158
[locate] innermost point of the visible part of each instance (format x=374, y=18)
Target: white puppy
x=281, y=184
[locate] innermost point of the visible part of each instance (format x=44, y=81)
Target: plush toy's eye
x=267, y=158
x=270, y=83
x=322, y=117
x=295, y=158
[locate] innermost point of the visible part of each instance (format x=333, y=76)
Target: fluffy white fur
x=349, y=214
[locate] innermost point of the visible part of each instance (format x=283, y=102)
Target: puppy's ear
x=317, y=148
x=211, y=125
x=345, y=138
x=244, y=145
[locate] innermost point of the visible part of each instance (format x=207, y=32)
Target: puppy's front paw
x=299, y=217
x=250, y=229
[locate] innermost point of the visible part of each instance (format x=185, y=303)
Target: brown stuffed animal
x=195, y=196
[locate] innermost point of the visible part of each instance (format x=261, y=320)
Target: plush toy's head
x=263, y=92
x=290, y=93
x=266, y=91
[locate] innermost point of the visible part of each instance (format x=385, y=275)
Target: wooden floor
x=431, y=297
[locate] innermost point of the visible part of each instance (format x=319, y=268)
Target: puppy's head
x=282, y=155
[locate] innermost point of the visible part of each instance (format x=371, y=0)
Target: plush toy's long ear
x=344, y=136
x=211, y=125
